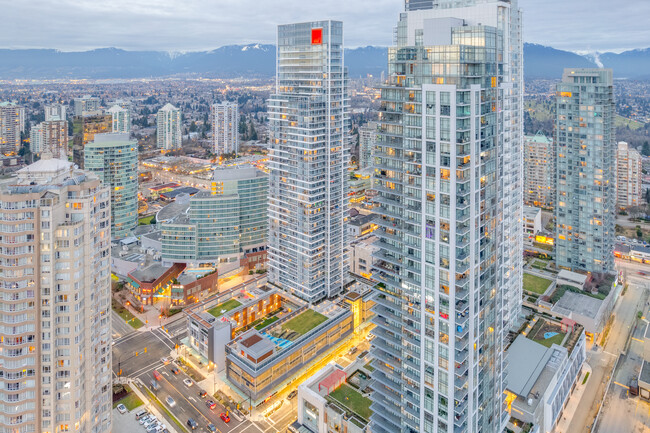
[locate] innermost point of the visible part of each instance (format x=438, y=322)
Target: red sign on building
x=316, y=36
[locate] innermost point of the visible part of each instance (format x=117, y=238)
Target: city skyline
x=215, y=26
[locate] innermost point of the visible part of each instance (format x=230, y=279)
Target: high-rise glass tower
x=121, y=119
x=55, y=288
x=585, y=170
x=448, y=172
x=114, y=159
x=414, y=5
x=225, y=132
x=169, y=128
x=309, y=123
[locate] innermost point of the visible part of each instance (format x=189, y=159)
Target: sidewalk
x=562, y=425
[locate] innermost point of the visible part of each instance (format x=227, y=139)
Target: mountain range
x=258, y=61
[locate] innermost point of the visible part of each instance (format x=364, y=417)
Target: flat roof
x=175, y=193
x=164, y=186
x=580, y=304
x=526, y=360
x=644, y=374
x=572, y=276
x=150, y=273
x=256, y=345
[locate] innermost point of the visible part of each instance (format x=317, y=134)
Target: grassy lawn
x=353, y=400
x=539, y=264
x=266, y=322
x=369, y=367
x=227, y=306
x=622, y=122
x=131, y=401
x=146, y=220
x=535, y=284
x=126, y=315
x=305, y=322
x=557, y=339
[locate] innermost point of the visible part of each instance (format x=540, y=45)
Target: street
x=602, y=360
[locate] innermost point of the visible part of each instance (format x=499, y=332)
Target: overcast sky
x=195, y=25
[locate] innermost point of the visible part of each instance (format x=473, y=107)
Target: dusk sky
x=196, y=25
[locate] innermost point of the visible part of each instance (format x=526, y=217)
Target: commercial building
x=87, y=106
x=55, y=291
x=220, y=225
x=114, y=159
x=362, y=259
x=12, y=123
x=55, y=112
x=448, y=176
x=532, y=221
x=121, y=119
x=585, y=171
x=50, y=136
x=541, y=376
x=224, y=118
x=367, y=143
x=84, y=129
x=309, y=124
x=414, y=5
x=539, y=171
x=629, y=176
x=168, y=126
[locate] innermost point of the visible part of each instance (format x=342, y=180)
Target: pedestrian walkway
x=563, y=423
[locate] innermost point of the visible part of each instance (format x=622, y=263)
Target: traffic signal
x=145, y=350
x=136, y=353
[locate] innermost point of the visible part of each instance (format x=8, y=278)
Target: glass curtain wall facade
x=585, y=173
x=309, y=124
x=448, y=173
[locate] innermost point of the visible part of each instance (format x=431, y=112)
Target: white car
x=165, y=361
x=188, y=382
x=121, y=408
x=170, y=401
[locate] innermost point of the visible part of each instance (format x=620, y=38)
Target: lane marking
x=163, y=341
x=620, y=384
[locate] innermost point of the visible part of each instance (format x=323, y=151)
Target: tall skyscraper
x=539, y=171
x=448, y=173
x=629, y=177
x=367, y=143
x=55, y=290
x=114, y=159
x=309, y=124
x=585, y=170
x=87, y=106
x=414, y=5
x=168, y=124
x=50, y=136
x=121, y=119
x=55, y=112
x=225, y=134
x=12, y=123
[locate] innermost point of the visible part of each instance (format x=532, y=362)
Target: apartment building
x=309, y=125
x=55, y=112
x=50, y=136
x=84, y=130
x=585, y=170
x=367, y=143
x=55, y=292
x=120, y=119
x=169, y=127
x=448, y=176
x=87, y=106
x=12, y=124
x=539, y=171
x=224, y=118
x=629, y=176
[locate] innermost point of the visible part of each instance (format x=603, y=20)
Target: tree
x=645, y=150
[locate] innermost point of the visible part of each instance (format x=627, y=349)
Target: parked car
x=370, y=337
x=170, y=401
x=121, y=408
x=203, y=394
x=144, y=419
x=192, y=424
x=188, y=382
x=141, y=414
x=292, y=394
x=225, y=418
x=352, y=351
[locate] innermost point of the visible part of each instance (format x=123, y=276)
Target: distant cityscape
x=445, y=245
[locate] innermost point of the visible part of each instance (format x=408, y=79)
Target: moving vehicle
x=225, y=418
x=165, y=361
x=170, y=401
x=211, y=404
x=188, y=382
x=203, y=394
x=174, y=370
x=157, y=375
x=192, y=424
x=212, y=428
x=292, y=394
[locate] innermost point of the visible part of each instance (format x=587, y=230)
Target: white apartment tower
x=12, y=123
x=50, y=136
x=121, y=118
x=367, y=143
x=448, y=176
x=55, y=354
x=309, y=125
x=225, y=121
x=87, y=106
x=168, y=123
x=629, y=177
x=55, y=112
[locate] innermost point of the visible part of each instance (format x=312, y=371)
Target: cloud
x=193, y=25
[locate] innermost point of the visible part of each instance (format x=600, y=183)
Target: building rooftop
x=225, y=173
x=150, y=273
x=526, y=360
x=164, y=186
x=644, y=374
x=256, y=345
x=361, y=219
x=175, y=193
x=581, y=304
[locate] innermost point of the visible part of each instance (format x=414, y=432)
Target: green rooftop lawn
x=353, y=400
x=535, y=284
x=227, y=306
x=539, y=264
x=266, y=322
x=557, y=339
x=305, y=322
x=146, y=220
